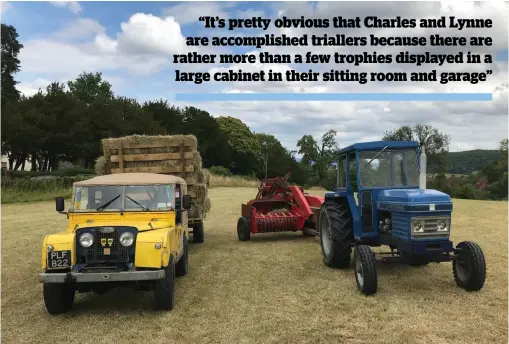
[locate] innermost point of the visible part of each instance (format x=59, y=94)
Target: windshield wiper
x=135, y=202
x=377, y=154
x=107, y=203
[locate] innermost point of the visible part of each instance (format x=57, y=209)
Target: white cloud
x=32, y=87
x=73, y=6
x=186, y=13
x=4, y=6
x=80, y=28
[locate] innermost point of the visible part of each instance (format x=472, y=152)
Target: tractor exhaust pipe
x=422, y=165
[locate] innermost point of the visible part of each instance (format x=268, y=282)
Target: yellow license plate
x=107, y=251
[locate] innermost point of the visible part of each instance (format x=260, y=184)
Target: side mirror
x=60, y=204
x=186, y=202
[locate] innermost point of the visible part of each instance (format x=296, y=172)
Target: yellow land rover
x=124, y=229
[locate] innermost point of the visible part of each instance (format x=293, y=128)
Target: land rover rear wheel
x=164, y=293
x=58, y=297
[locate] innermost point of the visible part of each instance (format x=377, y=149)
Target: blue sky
x=132, y=44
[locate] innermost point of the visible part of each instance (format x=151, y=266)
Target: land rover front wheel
x=58, y=297
x=164, y=293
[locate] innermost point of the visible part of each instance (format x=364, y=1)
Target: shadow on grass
x=284, y=236
x=123, y=299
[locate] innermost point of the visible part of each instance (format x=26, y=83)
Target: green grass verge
x=13, y=196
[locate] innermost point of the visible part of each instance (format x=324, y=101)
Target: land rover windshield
x=114, y=198
x=382, y=168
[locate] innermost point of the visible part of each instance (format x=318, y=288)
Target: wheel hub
x=325, y=234
x=359, y=272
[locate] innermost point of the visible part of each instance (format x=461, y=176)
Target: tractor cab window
x=352, y=171
x=342, y=172
x=388, y=168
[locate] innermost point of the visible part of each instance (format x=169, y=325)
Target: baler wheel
x=365, y=269
x=336, y=234
x=469, y=269
x=243, y=229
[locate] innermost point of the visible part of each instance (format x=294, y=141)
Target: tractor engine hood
x=414, y=200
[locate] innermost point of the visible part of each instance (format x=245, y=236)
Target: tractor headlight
x=441, y=225
x=86, y=240
x=417, y=226
x=126, y=239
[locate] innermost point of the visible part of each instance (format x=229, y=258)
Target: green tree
x=435, y=142
x=90, y=87
x=318, y=157
x=10, y=64
x=212, y=144
x=246, y=151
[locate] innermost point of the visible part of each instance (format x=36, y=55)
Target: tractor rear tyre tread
x=365, y=265
x=182, y=266
x=341, y=230
x=473, y=276
x=244, y=229
x=198, y=232
x=164, y=292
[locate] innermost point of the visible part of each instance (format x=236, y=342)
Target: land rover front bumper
x=87, y=277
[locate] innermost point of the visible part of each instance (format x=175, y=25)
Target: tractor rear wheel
x=336, y=234
x=244, y=229
x=469, y=269
x=365, y=269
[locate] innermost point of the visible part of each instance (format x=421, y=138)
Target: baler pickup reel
x=279, y=207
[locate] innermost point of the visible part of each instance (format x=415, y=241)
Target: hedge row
x=38, y=185
x=64, y=172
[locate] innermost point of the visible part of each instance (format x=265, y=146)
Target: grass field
x=272, y=289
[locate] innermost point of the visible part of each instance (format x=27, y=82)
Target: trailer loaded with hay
x=176, y=155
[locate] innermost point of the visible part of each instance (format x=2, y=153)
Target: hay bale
x=207, y=205
x=198, y=192
x=141, y=144
x=197, y=209
x=206, y=177
x=102, y=166
x=169, y=144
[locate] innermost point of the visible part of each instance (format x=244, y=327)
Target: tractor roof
x=131, y=179
x=376, y=145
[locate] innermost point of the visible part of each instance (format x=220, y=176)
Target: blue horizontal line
x=370, y=97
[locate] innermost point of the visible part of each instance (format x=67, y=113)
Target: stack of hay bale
x=175, y=154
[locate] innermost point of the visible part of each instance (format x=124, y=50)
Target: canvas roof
x=132, y=179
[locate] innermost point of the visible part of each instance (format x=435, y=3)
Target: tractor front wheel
x=244, y=229
x=336, y=234
x=469, y=268
x=365, y=269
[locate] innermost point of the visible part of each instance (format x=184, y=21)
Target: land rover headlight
x=126, y=239
x=417, y=226
x=442, y=225
x=86, y=240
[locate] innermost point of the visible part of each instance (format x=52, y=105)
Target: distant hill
x=469, y=161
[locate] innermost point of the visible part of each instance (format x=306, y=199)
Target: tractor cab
x=392, y=208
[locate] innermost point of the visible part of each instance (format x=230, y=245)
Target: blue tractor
x=393, y=208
